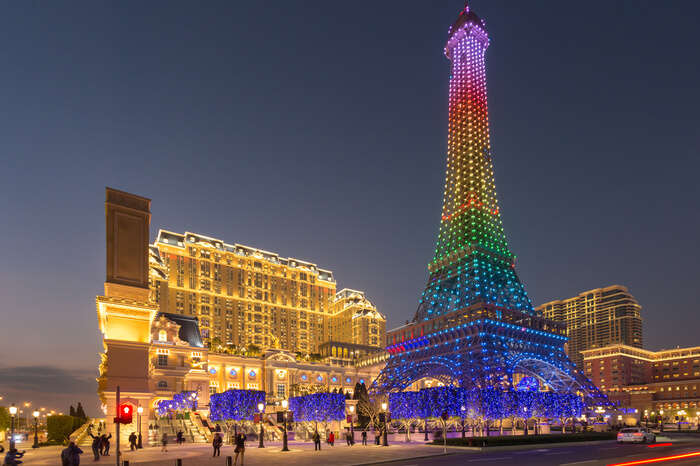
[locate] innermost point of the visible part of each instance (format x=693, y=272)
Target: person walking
x=12, y=458
x=331, y=438
x=364, y=437
x=70, y=456
x=216, y=443
x=180, y=438
x=240, y=447
x=96, y=441
x=317, y=440
x=104, y=445
x=164, y=443
x=132, y=441
x=65, y=456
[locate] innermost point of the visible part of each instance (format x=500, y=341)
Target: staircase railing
x=81, y=432
x=197, y=422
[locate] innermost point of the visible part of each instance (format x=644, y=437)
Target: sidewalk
x=198, y=454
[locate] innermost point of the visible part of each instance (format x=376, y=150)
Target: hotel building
x=650, y=381
x=247, y=296
x=597, y=318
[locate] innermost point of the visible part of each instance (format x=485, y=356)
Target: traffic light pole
x=116, y=423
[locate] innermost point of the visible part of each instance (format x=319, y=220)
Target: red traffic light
x=125, y=413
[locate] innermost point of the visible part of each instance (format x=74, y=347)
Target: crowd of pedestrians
x=70, y=456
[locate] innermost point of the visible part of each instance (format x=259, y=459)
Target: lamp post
x=26, y=419
x=385, y=440
x=13, y=413
x=36, y=429
x=285, y=404
x=352, y=422
x=261, y=408
x=464, y=410
x=139, y=412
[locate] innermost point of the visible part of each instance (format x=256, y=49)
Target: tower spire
x=472, y=262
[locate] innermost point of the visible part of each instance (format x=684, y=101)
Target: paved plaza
x=300, y=453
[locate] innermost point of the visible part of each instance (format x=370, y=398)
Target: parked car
x=636, y=435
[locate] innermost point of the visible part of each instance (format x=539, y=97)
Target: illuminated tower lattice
x=475, y=325
x=472, y=262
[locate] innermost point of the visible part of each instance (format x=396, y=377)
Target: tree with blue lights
x=236, y=405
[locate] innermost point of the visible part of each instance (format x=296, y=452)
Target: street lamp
x=464, y=410
x=285, y=404
x=36, y=429
x=385, y=441
x=261, y=408
x=26, y=419
x=352, y=422
x=13, y=413
x=139, y=412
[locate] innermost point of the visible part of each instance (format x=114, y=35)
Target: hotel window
x=212, y=389
x=281, y=390
x=162, y=359
x=162, y=384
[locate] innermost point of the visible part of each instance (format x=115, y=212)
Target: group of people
x=100, y=444
x=239, y=441
x=330, y=439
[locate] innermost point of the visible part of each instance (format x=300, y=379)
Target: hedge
x=526, y=439
x=60, y=427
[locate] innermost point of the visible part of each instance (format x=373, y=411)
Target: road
x=601, y=454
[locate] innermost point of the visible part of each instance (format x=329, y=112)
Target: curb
x=408, y=458
x=532, y=446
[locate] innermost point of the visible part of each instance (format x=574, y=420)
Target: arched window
x=162, y=335
x=162, y=384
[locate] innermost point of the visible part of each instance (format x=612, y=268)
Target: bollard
x=178, y=462
x=229, y=461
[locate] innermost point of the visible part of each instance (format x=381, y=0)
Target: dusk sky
x=318, y=130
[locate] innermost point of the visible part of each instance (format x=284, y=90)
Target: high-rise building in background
x=597, y=318
x=247, y=296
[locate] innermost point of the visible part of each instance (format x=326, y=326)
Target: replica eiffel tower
x=475, y=325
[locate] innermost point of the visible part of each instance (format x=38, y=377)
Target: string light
x=318, y=407
x=236, y=405
x=183, y=401
x=486, y=403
